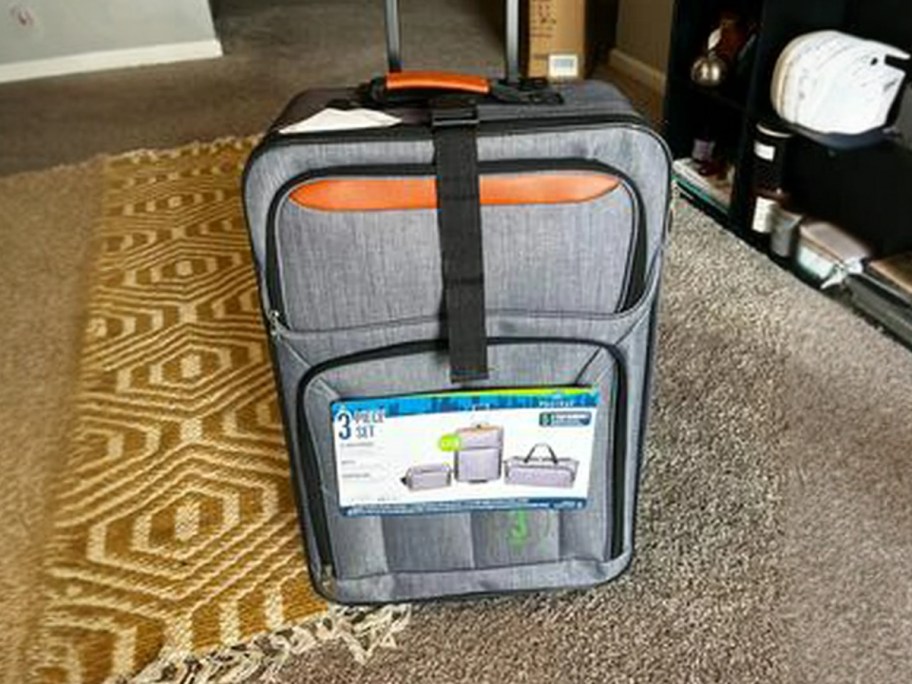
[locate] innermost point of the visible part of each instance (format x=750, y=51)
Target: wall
x=644, y=31
x=42, y=37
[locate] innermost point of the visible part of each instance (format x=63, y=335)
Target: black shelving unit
x=867, y=191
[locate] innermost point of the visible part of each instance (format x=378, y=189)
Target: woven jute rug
x=174, y=551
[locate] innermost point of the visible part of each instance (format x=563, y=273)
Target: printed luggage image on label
x=461, y=451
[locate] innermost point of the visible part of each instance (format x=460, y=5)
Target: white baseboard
x=639, y=71
x=110, y=59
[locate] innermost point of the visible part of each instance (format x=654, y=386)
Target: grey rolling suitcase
x=480, y=453
x=502, y=234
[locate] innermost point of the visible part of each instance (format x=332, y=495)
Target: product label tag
x=764, y=151
x=764, y=216
x=563, y=66
x=461, y=451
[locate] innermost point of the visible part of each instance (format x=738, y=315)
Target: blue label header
x=482, y=400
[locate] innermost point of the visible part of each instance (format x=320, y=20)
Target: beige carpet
x=775, y=528
x=45, y=228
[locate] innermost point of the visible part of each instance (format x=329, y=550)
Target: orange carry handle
x=437, y=80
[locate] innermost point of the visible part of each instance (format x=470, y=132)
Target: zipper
x=419, y=131
x=312, y=485
x=635, y=270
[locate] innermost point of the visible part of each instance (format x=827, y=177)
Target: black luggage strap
x=454, y=124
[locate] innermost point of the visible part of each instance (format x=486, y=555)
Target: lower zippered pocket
x=378, y=545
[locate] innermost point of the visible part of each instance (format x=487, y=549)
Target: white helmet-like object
x=832, y=84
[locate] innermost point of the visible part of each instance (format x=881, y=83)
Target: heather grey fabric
x=366, y=571
x=464, y=544
x=634, y=150
x=568, y=259
x=316, y=347
x=361, y=281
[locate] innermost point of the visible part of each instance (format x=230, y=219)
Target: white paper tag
x=764, y=151
x=563, y=66
x=461, y=451
x=331, y=119
x=764, y=215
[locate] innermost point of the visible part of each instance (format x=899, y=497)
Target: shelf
x=718, y=96
x=834, y=143
x=716, y=194
x=891, y=315
x=706, y=206
x=864, y=189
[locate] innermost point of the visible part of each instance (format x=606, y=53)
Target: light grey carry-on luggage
x=480, y=454
x=489, y=234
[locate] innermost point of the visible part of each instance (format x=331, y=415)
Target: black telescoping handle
x=394, y=38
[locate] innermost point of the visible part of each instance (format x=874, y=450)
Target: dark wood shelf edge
x=718, y=214
x=839, y=144
x=716, y=95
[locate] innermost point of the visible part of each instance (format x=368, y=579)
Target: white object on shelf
x=828, y=254
x=831, y=82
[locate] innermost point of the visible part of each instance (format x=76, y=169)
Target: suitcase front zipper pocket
x=581, y=362
x=341, y=235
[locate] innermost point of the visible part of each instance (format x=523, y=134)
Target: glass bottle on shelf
x=772, y=213
x=704, y=148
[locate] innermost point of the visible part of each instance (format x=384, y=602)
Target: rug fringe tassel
x=363, y=631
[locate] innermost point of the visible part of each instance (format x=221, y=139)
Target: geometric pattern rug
x=175, y=553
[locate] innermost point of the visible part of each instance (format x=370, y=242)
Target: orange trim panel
x=442, y=80
x=379, y=194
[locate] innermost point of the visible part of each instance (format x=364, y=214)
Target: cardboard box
x=556, y=39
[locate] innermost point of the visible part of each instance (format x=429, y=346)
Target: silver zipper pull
x=328, y=580
x=275, y=322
